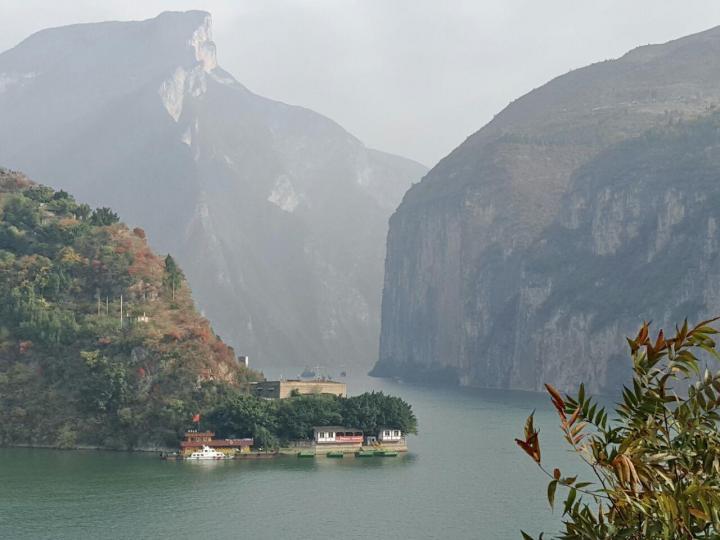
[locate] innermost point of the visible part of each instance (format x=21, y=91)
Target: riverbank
x=93, y=448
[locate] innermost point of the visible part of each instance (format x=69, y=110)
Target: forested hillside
x=100, y=343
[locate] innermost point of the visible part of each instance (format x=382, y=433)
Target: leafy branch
x=657, y=460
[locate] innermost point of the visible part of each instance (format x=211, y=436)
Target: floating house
x=286, y=388
x=338, y=440
x=195, y=440
x=337, y=435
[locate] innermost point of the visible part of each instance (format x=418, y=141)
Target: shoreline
x=307, y=452
x=170, y=454
x=84, y=447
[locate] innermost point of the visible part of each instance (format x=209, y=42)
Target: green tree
x=173, y=275
x=105, y=388
x=41, y=194
x=245, y=416
x=13, y=239
x=298, y=415
x=103, y=216
x=372, y=411
x=21, y=212
x=655, y=462
x=62, y=204
x=83, y=211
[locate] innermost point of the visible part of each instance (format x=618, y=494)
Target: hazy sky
x=412, y=77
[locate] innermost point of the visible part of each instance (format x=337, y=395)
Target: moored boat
x=206, y=453
x=305, y=454
x=385, y=453
x=335, y=454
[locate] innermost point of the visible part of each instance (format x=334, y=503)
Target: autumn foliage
x=100, y=343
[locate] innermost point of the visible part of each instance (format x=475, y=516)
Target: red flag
x=196, y=418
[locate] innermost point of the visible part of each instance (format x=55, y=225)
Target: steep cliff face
x=276, y=213
x=491, y=257
x=636, y=239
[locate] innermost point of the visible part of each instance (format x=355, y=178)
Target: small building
x=337, y=435
x=386, y=435
x=195, y=440
x=286, y=388
x=244, y=360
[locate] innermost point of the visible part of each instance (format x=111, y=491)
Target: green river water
x=463, y=478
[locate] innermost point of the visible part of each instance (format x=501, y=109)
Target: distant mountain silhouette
x=277, y=214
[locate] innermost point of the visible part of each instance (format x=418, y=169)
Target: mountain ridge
x=459, y=243
x=277, y=213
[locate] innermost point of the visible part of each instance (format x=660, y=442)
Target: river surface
x=463, y=478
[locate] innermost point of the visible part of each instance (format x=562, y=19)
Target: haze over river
x=463, y=478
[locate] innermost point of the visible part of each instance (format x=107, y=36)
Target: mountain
x=527, y=254
x=276, y=213
x=100, y=343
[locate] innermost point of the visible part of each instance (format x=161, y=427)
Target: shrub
x=655, y=463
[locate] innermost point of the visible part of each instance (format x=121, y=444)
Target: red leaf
x=557, y=400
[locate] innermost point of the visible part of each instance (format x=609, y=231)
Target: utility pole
x=97, y=295
x=107, y=306
x=121, y=311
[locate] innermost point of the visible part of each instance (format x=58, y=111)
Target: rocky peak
x=195, y=27
x=201, y=41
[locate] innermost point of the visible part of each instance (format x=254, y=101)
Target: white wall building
x=390, y=435
x=337, y=435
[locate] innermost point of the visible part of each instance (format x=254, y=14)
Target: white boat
x=207, y=453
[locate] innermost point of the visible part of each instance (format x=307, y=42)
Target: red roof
x=218, y=443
